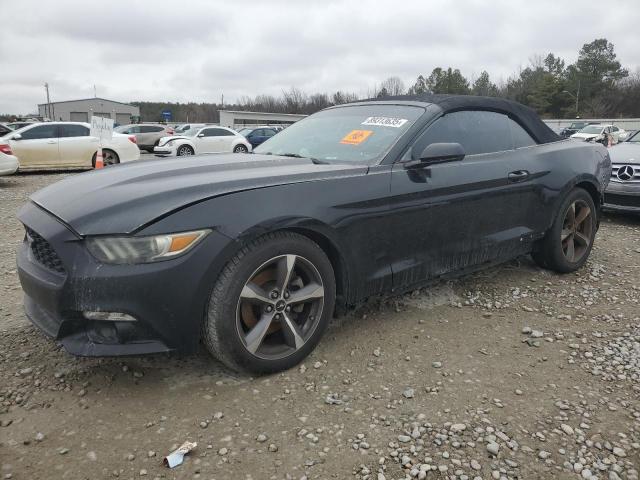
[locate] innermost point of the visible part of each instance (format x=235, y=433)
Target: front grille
x=622, y=200
x=43, y=252
x=629, y=173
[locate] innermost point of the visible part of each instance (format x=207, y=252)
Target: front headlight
x=130, y=250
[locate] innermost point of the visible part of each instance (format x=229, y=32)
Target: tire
x=233, y=317
x=109, y=158
x=567, y=244
x=184, y=150
x=240, y=148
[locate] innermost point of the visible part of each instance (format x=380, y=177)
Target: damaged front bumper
x=94, y=309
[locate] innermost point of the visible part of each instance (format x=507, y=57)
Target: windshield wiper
x=316, y=161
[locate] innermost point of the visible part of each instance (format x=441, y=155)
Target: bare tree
x=392, y=86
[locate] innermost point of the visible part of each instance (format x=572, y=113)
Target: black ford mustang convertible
x=253, y=254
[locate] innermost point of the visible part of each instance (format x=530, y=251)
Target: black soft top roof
x=525, y=116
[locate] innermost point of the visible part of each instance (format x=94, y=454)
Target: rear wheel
x=109, y=157
x=271, y=304
x=566, y=246
x=184, y=150
x=240, y=149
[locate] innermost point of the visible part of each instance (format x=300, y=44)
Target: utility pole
x=222, y=102
x=48, y=109
x=577, y=97
x=95, y=92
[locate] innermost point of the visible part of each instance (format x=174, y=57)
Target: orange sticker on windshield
x=356, y=137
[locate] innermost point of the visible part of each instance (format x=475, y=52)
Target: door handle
x=518, y=175
x=51, y=142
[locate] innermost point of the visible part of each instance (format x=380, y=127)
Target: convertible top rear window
x=355, y=133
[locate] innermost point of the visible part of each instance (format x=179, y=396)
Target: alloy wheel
x=241, y=149
x=280, y=307
x=109, y=158
x=577, y=230
x=184, y=150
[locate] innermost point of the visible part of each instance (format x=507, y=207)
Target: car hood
x=625, y=153
x=122, y=199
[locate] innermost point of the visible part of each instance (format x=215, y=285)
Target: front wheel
x=184, y=150
x=240, y=149
x=271, y=304
x=566, y=246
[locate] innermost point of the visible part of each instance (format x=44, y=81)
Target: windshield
x=634, y=138
x=346, y=134
x=591, y=129
x=577, y=125
x=121, y=129
x=192, y=132
x=245, y=131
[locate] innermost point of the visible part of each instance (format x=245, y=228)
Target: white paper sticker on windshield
x=385, y=121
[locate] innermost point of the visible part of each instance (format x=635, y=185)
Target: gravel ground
x=514, y=372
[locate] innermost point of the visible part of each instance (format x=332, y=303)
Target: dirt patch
x=514, y=372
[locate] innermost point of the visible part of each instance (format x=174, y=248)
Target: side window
x=258, y=132
x=224, y=133
x=208, y=132
x=156, y=129
x=269, y=133
x=74, y=131
x=614, y=129
x=519, y=135
x=217, y=132
x=134, y=130
x=145, y=129
x=40, y=132
x=477, y=131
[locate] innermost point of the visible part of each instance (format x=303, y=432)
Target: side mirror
x=438, y=153
x=17, y=136
x=201, y=135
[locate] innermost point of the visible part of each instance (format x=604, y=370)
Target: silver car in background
x=147, y=134
x=623, y=192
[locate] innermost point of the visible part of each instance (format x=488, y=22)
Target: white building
x=82, y=110
x=239, y=119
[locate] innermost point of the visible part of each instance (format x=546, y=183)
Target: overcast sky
x=181, y=50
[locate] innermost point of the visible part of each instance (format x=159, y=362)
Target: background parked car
x=180, y=129
x=65, y=145
x=575, y=127
x=203, y=140
x=623, y=191
x=596, y=132
x=8, y=162
x=147, y=135
x=256, y=136
x=17, y=125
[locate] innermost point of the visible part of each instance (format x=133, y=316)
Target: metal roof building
x=82, y=110
x=234, y=118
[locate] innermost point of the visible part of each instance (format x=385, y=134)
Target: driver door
x=38, y=146
x=208, y=141
x=456, y=215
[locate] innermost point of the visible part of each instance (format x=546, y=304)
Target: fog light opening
x=109, y=316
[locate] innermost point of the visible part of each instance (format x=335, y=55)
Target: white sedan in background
x=198, y=140
x=8, y=163
x=596, y=132
x=66, y=145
